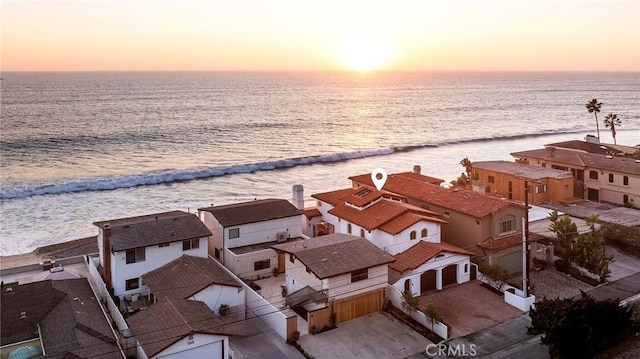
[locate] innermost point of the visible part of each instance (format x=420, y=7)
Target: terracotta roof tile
x=250, y=212
x=312, y=212
x=460, y=200
x=186, y=276
x=422, y=252
x=411, y=175
x=507, y=241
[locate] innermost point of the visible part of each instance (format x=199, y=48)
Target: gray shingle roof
x=187, y=276
x=578, y=159
x=166, y=322
x=336, y=254
x=251, y=212
x=71, y=321
x=153, y=229
x=522, y=170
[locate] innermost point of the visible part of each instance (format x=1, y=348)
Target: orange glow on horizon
x=290, y=35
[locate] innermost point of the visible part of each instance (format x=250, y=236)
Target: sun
x=363, y=54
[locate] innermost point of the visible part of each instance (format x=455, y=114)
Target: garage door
x=428, y=281
x=449, y=275
x=511, y=262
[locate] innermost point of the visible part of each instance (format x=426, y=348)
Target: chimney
x=417, y=169
x=106, y=255
x=298, y=196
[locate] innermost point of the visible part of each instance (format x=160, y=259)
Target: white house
x=427, y=266
x=131, y=247
x=410, y=233
x=199, y=279
x=243, y=234
x=180, y=329
x=338, y=270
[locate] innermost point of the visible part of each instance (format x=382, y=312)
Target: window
x=491, y=179
x=132, y=284
x=625, y=199
x=265, y=264
x=292, y=258
x=412, y=235
x=544, y=164
x=216, y=253
x=135, y=255
x=507, y=224
x=593, y=175
x=361, y=232
x=625, y=180
x=610, y=177
x=541, y=188
x=579, y=175
x=234, y=233
x=190, y=244
x=423, y=234
x=349, y=228
x=163, y=245
x=447, y=214
x=360, y=274
x=466, y=267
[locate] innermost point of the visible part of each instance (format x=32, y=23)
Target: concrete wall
x=396, y=299
x=103, y=295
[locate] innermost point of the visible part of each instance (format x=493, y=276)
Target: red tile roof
x=460, y=200
x=410, y=175
x=422, y=252
x=389, y=216
x=334, y=198
x=312, y=212
x=503, y=242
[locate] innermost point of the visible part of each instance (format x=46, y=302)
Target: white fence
x=512, y=295
x=103, y=293
x=396, y=299
x=261, y=308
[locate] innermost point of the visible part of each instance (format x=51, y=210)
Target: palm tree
x=611, y=121
x=594, y=106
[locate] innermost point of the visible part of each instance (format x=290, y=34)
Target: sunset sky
x=256, y=35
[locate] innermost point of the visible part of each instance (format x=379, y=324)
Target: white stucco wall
x=202, y=346
x=400, y=242
x=297, y=276
x=243, y=264
x=436, y=264
x=265, y=231
x=216, y=295
x=155, y=257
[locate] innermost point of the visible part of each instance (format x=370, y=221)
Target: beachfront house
x=131, y=247
x=473, y=218
x=506, y=179
x=335, y=273
x=57, y=319
x=405, y=231
x=199, y=279
x=187, y=329
x=601, y=173
x=243, y=234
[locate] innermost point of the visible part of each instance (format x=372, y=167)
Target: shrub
x=561, y=266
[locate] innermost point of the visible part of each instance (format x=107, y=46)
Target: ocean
x=89, y=146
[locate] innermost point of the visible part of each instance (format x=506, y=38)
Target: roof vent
x=609, y=157
x=23, y=315
x=9, y=290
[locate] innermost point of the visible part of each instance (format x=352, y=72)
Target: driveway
x=371, y=336
x=469, y=307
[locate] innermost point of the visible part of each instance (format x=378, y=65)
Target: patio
x=271, y=290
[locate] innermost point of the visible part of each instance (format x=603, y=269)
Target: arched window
x=423, y=234
x=625, y=199
x=593, y=175
x=412, y=235
x=466, y=267
x=361, y=232
x=349, y=228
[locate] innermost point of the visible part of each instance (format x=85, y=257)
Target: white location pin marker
x=379, y=177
